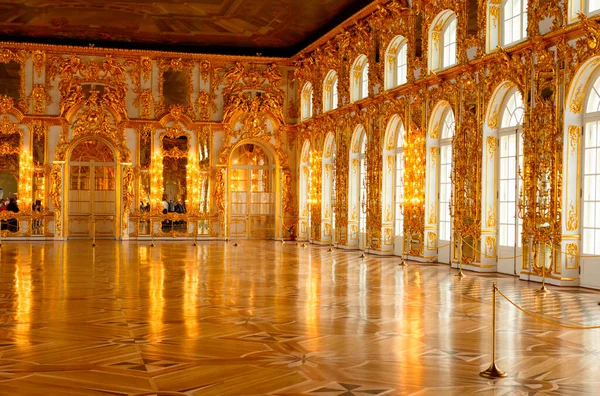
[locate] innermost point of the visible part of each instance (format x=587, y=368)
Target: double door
x=252, y=202
x=92, y=200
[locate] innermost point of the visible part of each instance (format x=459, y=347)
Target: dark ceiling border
x=348, y=13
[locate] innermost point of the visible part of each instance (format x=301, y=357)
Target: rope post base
x=460, y=273
x=543, y=289
x=303, y=245
x=235, y=244
x=362, y=256
x=94, y=233
x=493, y=371
x=402, y=262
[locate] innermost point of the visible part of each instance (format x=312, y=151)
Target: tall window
x=510, y=161
x=399, y=191
x=445, y=172
x=396, y=67
x=306, y=101
x=362, y=212
x=514, y=20
x=334, y=94
x=360, y=78
x=330, y=95
x=449, y=43
x=364, y=81
x=591, y=173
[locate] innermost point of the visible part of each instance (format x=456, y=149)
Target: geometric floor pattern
x=267, y=318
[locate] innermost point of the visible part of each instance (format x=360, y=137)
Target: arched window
x=449, y=44
x=591, y=173
x=395, y=63
x=303, y=215
x=362, y=196
x=399, y=184
x=357, y=194
x=442, y=41
x=393, y=186
x=446, y=135
x=306, y=101
x=330, y=95
x=328, y=190
x=510, y=160
x=514, y=21
x=359, y=87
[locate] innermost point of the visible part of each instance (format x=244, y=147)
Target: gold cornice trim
x=100, y=51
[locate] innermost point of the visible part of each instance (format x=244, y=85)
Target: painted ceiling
x=244, y=27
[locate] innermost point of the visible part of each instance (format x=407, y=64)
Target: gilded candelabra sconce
x=538, y=211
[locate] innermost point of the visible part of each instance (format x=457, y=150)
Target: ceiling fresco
x=245, y=27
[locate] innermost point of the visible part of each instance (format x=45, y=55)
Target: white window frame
x=362, y=189
x=360, y=79
x=452, y=21
x=587, y=204
x=520, y=17
x=306, y=100
x=399, y=185
x=330, y=95
x=443, y=205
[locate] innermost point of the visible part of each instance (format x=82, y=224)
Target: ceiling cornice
x=363, y=13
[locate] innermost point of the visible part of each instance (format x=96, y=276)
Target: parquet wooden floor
x=266, y=318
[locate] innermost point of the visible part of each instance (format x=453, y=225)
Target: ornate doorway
x=92, y=195
x=252, y=196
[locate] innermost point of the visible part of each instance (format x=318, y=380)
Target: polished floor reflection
x=267, y=318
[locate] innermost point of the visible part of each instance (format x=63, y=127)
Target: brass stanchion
x=93, y=232
x=196, y=236
x=543, y=289
x=493, y=371
x=460, y=273
x=151, y=234
x=404, y=257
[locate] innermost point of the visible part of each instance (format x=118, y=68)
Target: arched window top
x=329, y=146
x=92, y=150
x=360, y=78
x=442, y=41
x=593, y=103
x=330, y=94
x=306, y=101
x=395, y=63
x=330, y=77
x=305, y=155
x=359, y=63
x=401, y=135
x=359, y=140
x=448, y=125
x=394, y=133
x=250, y=154
x=513, y=112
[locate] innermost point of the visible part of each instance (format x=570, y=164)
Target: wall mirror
x=10, y=80
x=175, y=88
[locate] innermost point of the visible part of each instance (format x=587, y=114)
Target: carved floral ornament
x=94, y=120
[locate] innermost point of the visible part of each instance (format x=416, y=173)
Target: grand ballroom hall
x=285, y=197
